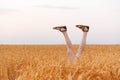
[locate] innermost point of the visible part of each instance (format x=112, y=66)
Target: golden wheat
x=49, y=62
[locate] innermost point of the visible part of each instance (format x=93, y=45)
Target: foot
x=60, y=28
x=84, y=28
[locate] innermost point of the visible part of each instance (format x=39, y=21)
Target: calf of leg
x=69, y=47
x=82, y=45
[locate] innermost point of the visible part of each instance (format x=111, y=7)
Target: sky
x=31, y=21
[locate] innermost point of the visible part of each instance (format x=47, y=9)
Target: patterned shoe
x=84, y=28
x=60, y=28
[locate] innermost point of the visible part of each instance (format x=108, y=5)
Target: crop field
x=49, y=62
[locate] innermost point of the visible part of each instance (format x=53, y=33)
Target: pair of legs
x=71, y=56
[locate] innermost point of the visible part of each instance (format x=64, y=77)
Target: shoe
x=84, y=28
x=60, y=28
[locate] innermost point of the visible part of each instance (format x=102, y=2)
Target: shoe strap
x=84, y=28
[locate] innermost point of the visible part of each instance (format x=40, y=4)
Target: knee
x=69, y=51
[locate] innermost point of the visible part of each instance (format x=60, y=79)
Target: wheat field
x=49, y=62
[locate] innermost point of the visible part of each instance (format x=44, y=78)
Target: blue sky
x=31, y=21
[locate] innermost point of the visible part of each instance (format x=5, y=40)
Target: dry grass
x=50, y=63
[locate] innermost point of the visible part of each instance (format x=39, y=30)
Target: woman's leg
x=69, y=47
x=63, y=29
x=85, y=30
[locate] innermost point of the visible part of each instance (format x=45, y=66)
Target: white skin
x=71, y=56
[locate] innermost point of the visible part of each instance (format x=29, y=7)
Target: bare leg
x=85, y=30
x=69, y=47
x=82, y=45
x=63, y=29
